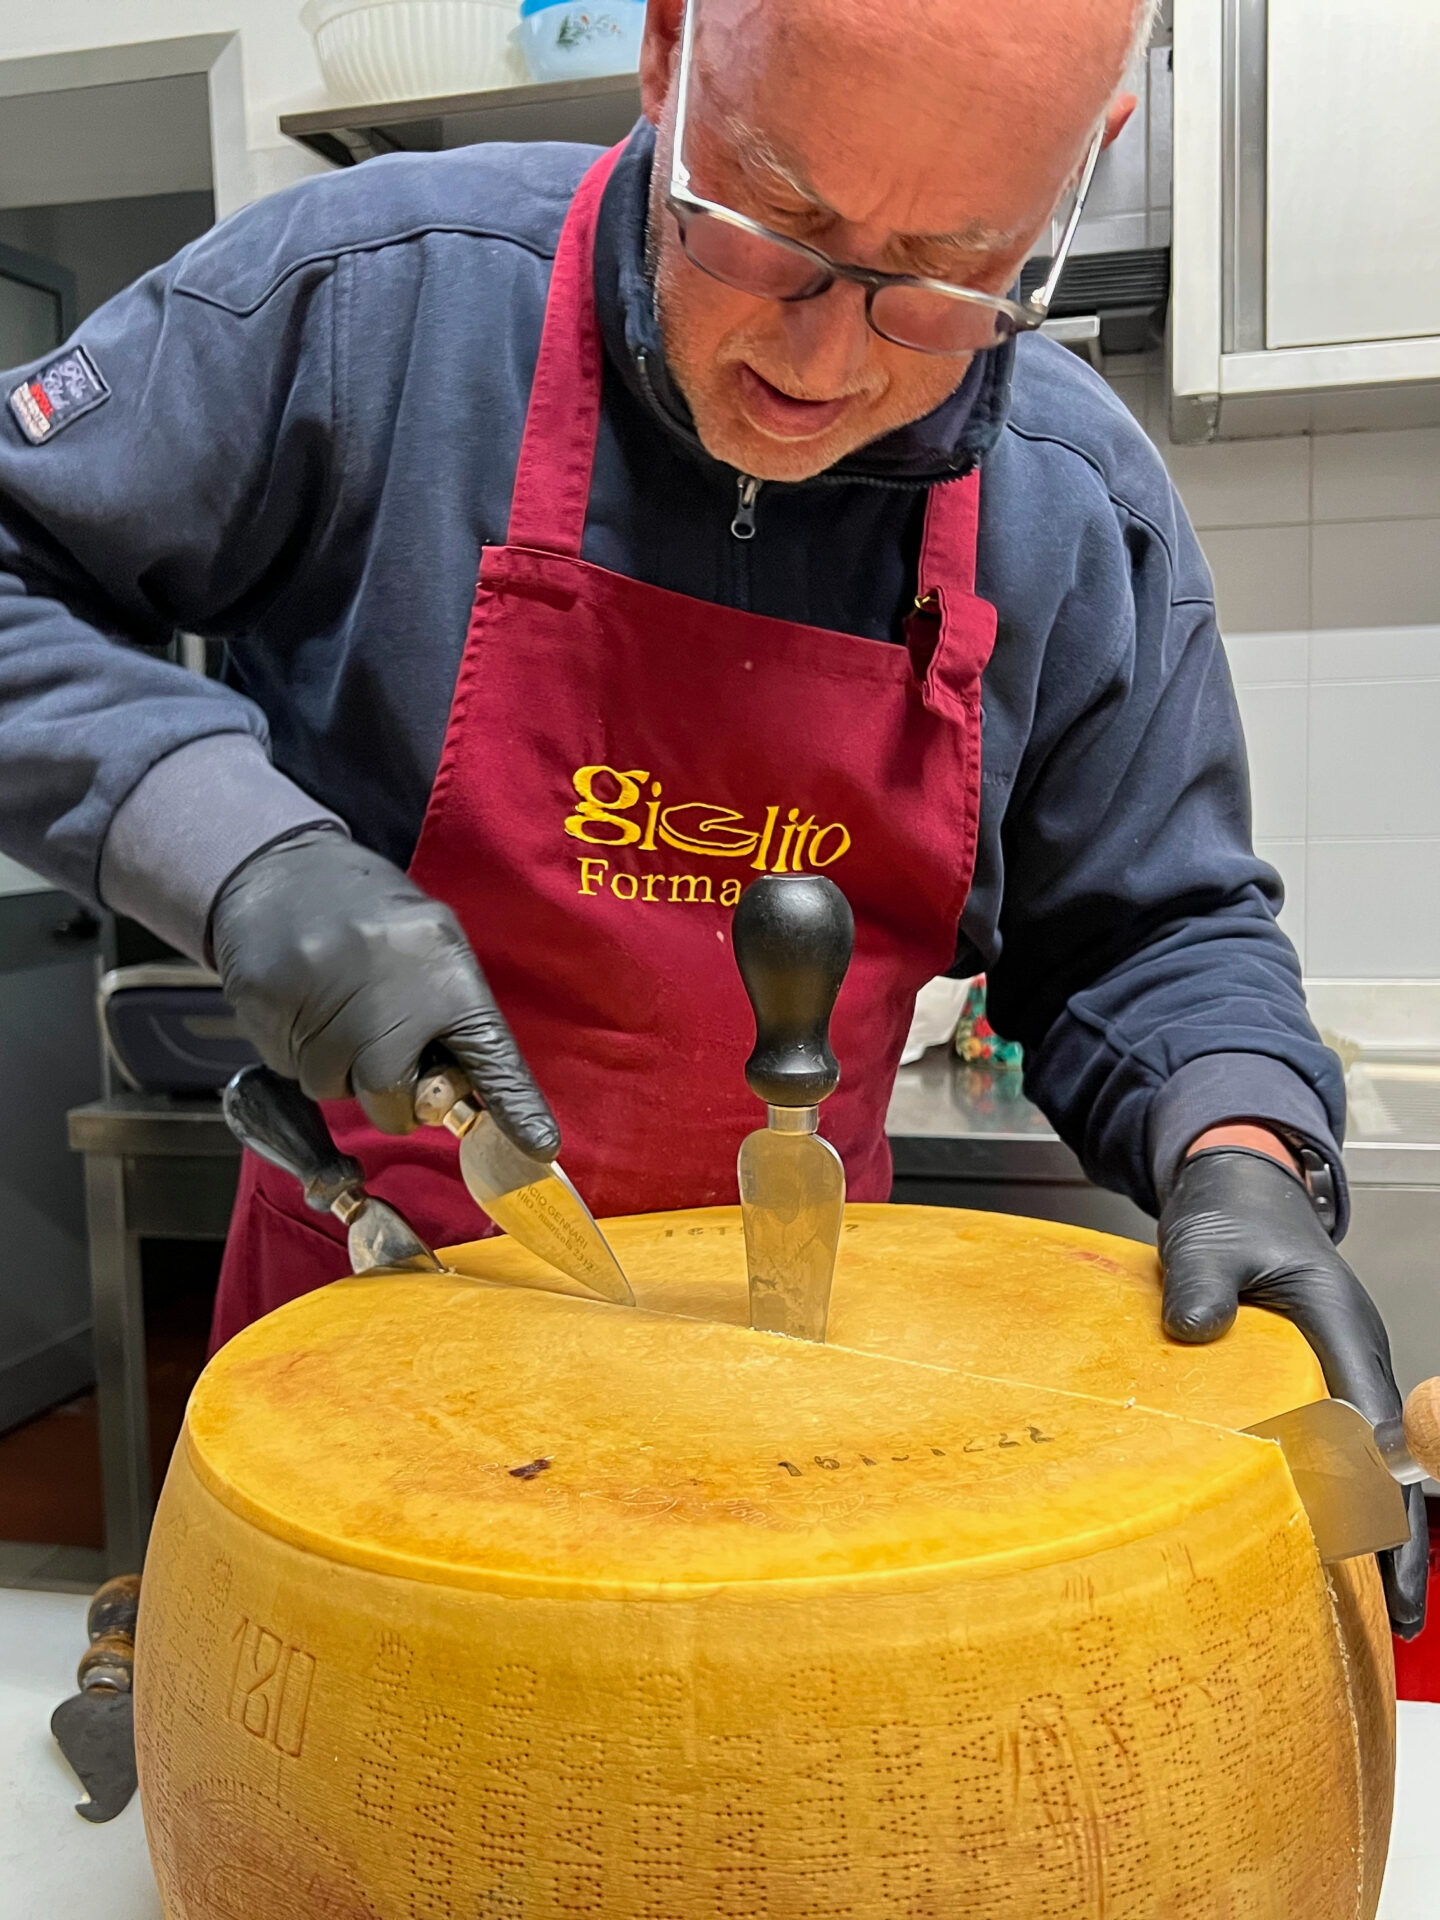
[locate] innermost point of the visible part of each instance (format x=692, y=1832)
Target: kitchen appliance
x=169, y=1028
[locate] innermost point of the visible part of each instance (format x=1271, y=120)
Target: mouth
x=781, y=414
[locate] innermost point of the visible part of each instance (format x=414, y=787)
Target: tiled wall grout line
x=1328, y=585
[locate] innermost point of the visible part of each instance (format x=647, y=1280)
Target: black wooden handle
x=793, y=937
x=272, y=1117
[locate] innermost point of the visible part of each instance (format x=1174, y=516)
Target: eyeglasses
x=932, y=316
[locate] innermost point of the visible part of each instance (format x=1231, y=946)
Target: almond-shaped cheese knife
x=531, y=1200
x=1348, y=1473
x=271, y=1116
x=793, y=936
x=95, y=1728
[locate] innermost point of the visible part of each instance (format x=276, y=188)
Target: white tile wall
x=1375, y=759
x=1376, y=476
x=1325, y=551
x=1262, y=576
x=1244, y=483
x=1277, y=736
x=1288, y=859
x=1373, y=908
x=1368, y=505
x=1380, y=572
x=1343, y=729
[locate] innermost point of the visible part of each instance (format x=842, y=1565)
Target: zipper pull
x=747, y=491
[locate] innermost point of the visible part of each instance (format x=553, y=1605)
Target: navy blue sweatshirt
x=296, y=437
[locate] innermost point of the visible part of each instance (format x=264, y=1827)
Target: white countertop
x=53, y=1863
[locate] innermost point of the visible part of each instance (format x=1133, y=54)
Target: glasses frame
x=1022, y=316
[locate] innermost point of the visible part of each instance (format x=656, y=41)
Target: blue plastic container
x=580, y=39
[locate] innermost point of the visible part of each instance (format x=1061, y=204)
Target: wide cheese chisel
x=95, y=1728
x=531, y=1200
x=793, y=937
x=274, y=1118
x=1349, y=1473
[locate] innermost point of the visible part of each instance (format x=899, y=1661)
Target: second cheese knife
x=274, y=1118
x=793, y=936
x=1348, y=1474
x=531, y=1200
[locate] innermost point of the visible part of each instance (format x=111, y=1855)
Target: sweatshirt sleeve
x=1141, y=963
x=169, y=469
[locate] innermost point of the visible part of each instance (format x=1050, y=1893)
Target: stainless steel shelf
x=593, y=112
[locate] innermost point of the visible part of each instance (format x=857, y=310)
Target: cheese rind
x=466, y=1599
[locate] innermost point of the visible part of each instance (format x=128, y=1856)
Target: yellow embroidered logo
x=618, y=807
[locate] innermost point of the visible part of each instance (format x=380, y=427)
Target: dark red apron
x=620, y=762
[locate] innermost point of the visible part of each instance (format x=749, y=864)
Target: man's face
x=913, y=136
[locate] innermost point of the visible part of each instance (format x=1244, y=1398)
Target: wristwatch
x=1316, y=1175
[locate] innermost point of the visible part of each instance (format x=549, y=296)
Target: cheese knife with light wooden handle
x=532, y=1200
x=1349, y=1473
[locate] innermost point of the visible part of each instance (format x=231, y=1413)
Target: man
x=771, y=505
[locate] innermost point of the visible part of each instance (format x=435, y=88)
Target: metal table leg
x=118, y=1307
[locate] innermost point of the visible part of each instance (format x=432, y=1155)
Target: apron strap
x=557, y=453
x=952, y=534
x=951, y=633
x=954, y=630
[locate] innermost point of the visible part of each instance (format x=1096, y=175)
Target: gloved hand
x=342, y=972
x=1239, y=1226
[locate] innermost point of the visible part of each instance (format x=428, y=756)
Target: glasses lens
x=934, y=322
x=749, y=261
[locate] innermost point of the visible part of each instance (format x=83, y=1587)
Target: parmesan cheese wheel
x=469, y=1600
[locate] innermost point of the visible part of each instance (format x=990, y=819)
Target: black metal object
x=1104, y=282
x=170, y=1029
x=1127, y=292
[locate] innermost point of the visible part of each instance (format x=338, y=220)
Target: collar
x=947, y=442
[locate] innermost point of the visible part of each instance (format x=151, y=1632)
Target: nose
x=828, y=338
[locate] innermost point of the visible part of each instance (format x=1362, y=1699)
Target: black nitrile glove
x=1239, y=1226
x=342, y=972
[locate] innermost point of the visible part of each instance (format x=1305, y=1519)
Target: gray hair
x=1147, y=13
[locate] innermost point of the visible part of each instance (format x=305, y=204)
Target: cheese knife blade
x=95, y=1728
x=793, y=936
x=532, y=1200
x=1349, y=1473
x=271, y=1116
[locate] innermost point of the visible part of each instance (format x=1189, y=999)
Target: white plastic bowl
x=582, y=39
x=374, y=50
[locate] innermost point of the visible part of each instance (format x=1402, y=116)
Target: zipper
x=692, y=440
x=747, y=492
x=747, y=489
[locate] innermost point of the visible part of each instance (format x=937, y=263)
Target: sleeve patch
x=58, y=395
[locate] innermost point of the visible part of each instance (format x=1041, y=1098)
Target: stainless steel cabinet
x=1306, y=251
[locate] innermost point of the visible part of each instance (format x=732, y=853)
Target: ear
x=658, y=53
x=1120, y=110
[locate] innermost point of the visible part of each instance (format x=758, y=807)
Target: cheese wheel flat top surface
x=491, y=1435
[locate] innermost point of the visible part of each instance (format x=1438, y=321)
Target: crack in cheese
x=466, y=1599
